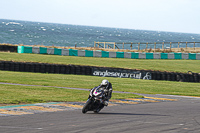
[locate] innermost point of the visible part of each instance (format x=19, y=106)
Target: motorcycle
x=95, y=100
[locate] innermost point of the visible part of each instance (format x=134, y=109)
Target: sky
x=157, y=15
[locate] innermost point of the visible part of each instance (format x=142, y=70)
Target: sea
x=66, y=35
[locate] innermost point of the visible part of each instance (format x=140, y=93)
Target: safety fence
x=97, y=71
x=147, y=45
x=107, y=54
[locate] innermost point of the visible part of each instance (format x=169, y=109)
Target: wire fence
x=147, y=45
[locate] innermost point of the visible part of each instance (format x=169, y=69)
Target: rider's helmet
x=104, y=83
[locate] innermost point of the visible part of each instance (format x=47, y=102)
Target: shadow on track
x=107, y=113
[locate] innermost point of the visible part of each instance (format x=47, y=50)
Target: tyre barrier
x=98, y=71
x=45, y=68
x=172, y=76
x=8, y=48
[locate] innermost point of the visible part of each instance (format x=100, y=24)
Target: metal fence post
x=146, y=45
x=95, y=44
x=139, y=46
x=131, y=45
x=170, y=45
x=163, y=45
x=178, y=45
x=186, y=45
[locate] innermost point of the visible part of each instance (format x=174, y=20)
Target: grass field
x=10, y=94
x=162, y=65
x=21, y=94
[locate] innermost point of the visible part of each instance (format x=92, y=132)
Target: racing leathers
x=108, y=92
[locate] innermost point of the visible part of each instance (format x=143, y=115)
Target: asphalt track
x=181, y=116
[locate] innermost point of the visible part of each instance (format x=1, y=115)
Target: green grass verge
x=21, y=94
x=162, y=65
x=12, y=94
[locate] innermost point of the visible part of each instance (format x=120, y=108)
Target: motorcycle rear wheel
x=85, y=107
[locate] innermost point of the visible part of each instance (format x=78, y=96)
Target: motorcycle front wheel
x=85, y=107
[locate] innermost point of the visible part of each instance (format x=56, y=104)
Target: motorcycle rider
x=107, y=89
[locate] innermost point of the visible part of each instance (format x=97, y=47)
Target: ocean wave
x=48, y=34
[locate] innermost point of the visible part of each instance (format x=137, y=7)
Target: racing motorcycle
x=95, y=100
